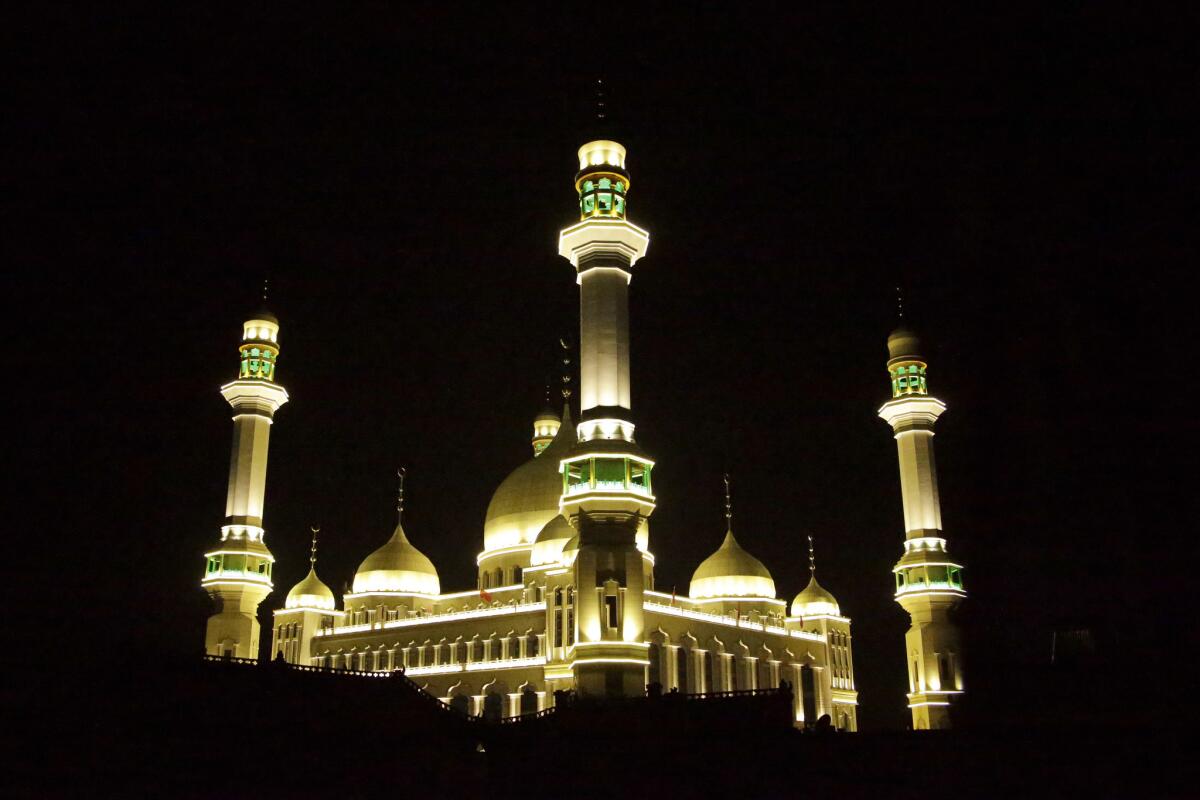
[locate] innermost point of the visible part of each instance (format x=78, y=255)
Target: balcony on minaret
x=603, y=474
x=908, y=378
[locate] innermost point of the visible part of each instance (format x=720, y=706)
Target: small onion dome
x=311, y=593
x=731, y=572
x=814, y=601
x=264, y=314
x=547, y=414
x=903, y=343
x=548, y=547
x=397, y=567
x=570, y=551
x=528, y=498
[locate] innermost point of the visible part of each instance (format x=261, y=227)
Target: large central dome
x=528, y=498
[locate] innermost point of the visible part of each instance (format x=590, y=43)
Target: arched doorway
x=655, y=655
x=493, y=706
x=529, y=701
x=682, y=657
x=808, y=690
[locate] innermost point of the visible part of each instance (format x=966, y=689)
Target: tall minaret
x=606, y=476
x=928, y=583
x=238, y=575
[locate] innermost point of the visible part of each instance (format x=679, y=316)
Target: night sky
x=401, y=174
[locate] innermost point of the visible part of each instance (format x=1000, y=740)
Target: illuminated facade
x=565, y=597
x=929, y=582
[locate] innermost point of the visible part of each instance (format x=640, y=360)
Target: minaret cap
x=903, y=343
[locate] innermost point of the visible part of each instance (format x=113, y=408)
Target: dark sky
x=401, y=175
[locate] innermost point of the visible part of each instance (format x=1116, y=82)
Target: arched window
x=499, y=576
x=655, y=663
x=708, y=672
x=570, y=616
x=517, y=572
x=733, y=674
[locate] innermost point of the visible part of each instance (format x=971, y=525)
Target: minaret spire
x=312, y=556
x=812, y=558
x=928, y=581
x=238, y=575
x=607, y=491
x=899, y=304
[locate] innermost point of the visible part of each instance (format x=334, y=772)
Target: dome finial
x=812, y=558
x=899, y=304
x=312, y=556
x=400, y=473
x=566, y=368
x=266, y=288
x=601, y=109
x=728, y=505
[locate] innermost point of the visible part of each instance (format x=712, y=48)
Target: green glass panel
x=589, y=203
x=619, y=205
x=610, y=469
x=605, y=183
x=588, y=186
x=605, y=200
x=235, y=563
x=620, y=187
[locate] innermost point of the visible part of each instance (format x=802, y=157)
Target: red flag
x=487, y=598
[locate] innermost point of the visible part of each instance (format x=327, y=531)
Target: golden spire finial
x=566, y=369
x=728, y=505
x=812, y=558
x=601, y=112
x=400, y=473
x=899, y=304
x=266, y=287
x=312, y=555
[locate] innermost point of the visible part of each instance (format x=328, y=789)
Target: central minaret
x=928, y=583
x=606, y=476
x=238, y=574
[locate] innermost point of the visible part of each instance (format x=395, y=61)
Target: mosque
x=565, y=598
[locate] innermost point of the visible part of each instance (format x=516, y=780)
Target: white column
x=918, y=480
x=604, y=334
x=248, y=468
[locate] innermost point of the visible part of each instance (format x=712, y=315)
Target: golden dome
x=397, y=567
x=731, y=572
x=815, y=601
x=311, y=593
x=528, y=498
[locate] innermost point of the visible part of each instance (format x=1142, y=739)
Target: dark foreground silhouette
x=210, y=729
